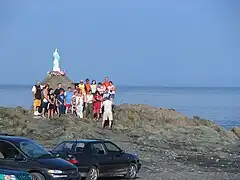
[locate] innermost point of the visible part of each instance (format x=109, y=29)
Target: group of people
x=86, y=100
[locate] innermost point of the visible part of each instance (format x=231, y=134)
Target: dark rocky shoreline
x=170, y=145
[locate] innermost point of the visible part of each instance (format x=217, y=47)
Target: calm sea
x=221, y=105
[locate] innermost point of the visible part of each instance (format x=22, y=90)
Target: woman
x=101, y=88
x=45, y=100
x=111, y=90
x=51, y=103
x=93, y=86
x=97, y=104
x=74, y=102
x=80, y=103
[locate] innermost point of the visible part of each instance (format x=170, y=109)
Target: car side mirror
x=19, y=157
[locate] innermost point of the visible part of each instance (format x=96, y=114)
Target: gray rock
x=170, y=145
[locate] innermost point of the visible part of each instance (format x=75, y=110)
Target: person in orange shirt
x=106, y=82
x=87, y=85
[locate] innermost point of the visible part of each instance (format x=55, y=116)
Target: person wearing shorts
x=37, y=96
x=68, y=97
x=107, y=112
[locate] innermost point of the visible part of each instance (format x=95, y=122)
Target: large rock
x=236, y=130
x=54, y=80
x=166, y=141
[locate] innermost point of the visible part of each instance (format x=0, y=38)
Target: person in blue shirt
x=68, y=96
x=61, y=101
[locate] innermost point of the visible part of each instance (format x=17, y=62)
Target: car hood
x=132, y=156
x=12, y=172
x=55, y=163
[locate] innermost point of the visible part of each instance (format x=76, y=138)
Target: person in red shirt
x=106, y=82
x=97, y=104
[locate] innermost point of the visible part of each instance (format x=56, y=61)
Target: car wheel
x=131, y=171
x=93, y=173
x=37, y=176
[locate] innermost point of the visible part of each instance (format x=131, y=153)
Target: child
x=74, y=103
x=51, y=104
x=61, y=101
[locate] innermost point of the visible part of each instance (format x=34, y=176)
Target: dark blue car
x=19, y=153
x=95, y=158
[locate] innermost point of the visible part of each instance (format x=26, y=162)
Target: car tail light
x=73, y=161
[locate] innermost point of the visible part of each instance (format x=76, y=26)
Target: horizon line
x=141, y=85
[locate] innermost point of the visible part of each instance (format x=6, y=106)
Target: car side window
x=8, y=151
x=98, y=148
x=68, y=147
x=112, y=147
x=79, y=147
x=59, y=148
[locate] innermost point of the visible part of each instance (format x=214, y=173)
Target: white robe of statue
x=56, y=61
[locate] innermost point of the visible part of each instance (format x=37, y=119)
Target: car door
x=11, y=157
x=82, y=154
x=101, y=157
x=120, y=160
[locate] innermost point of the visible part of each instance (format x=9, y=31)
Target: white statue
x=56, y=61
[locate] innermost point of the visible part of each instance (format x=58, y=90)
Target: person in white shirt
x=80, y=102
x=107, y=112
x=111, y=90
x=89, y=104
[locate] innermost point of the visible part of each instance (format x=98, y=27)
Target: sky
x=133, y=42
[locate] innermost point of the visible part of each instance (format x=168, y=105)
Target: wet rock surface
x=170, y=145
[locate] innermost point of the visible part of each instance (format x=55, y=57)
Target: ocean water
x=222, y=105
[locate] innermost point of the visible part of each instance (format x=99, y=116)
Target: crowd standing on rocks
x=87, y=100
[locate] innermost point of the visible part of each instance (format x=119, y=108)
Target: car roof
x=86, y=140
x=12, y=138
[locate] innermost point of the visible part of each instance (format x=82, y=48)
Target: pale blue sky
x=150, y=42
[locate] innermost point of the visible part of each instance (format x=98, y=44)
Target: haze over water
x=218, y=104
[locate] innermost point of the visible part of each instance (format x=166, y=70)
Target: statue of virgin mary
x=56, y=61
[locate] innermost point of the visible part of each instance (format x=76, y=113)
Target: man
x=57, y=93
x=59, y=88
x=106, y=82
x=107, y=112
x=89, y=104
x=61, y=101
x=37, y=98
x=81, y=86
x=87, y=85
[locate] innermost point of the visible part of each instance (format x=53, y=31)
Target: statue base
x=56, y=73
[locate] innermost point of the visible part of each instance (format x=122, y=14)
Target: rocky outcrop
x=54, y=80
x=166, y=140
x=236, y=130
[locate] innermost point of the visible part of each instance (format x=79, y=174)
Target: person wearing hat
x=37, y=98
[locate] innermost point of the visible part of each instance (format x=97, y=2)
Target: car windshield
x=34, y=150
